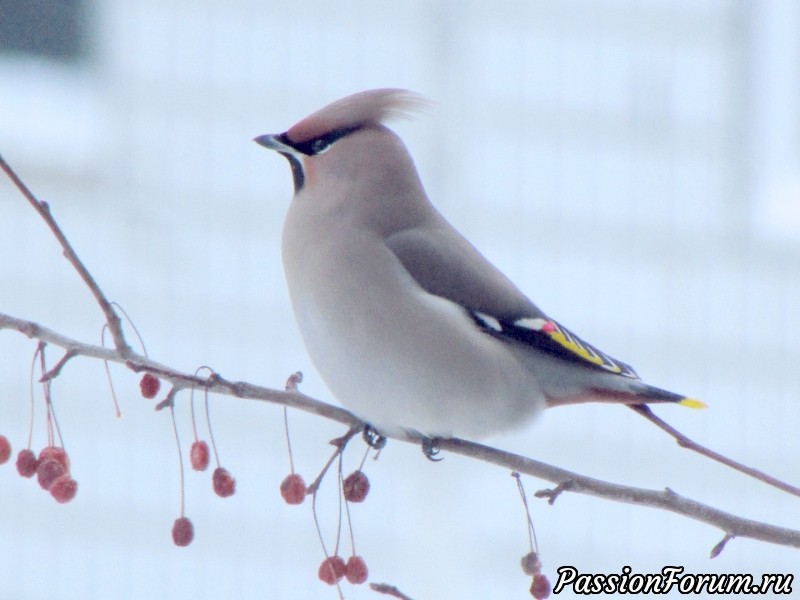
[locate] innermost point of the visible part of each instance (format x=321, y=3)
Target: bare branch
x=114, y=324
x=552, y=495
x=666, y=499
x=717, y=550
x=389, y=590
x=55, y=371
x=685, y=442
x=566, y=481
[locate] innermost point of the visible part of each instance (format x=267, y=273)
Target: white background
x=633, y=166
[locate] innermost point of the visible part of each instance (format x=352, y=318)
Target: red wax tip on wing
x=549, y=327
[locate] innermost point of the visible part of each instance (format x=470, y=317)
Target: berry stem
x=288, y=438
x=180, y=455
x=33, y=367
x=108, y=372
x=340, y=444
x=341, y=496
x=364, y=458
x=319, y=531
x=135, y=330
x=349, y=519
x=53, y=430
x=191, y=402
x=194, y=419
x=291, y=386
x=210, y=430
x=532, y=541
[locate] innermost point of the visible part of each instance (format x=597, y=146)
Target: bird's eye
x=319, y=146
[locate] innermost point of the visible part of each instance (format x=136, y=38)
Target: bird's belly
x=423, y=368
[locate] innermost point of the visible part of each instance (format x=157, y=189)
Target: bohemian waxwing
x=408, y=324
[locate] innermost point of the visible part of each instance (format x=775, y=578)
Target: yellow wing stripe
x=575, y=346
x=580, y=350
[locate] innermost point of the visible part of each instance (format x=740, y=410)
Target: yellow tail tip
x=692, y=403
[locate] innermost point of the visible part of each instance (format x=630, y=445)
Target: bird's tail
x=653, y=394
x=648, y=395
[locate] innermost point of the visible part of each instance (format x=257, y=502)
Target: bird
x=409, y=325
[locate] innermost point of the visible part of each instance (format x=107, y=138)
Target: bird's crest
x=370, y=107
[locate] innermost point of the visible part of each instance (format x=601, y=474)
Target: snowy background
x=633, y=165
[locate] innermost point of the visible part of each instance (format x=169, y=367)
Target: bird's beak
x=273, y=142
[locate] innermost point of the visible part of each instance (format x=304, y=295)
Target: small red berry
x=356, y=570
x=293, y=489
x=48, y=471
x=64, y=488
x=540, y=587
x=55, y=453
x=355, y=486
x=26, y=463
x=531, y=564
x=5, y=449
x=149, y=385
x=198, y=456
x=182, y=532
x=224, y=484
x=332, y=569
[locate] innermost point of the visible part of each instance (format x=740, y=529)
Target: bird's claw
x=373, y=438
x=430, y=449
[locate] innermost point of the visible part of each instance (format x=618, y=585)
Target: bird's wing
x=445, y=264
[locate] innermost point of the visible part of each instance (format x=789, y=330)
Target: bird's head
x=345, y=136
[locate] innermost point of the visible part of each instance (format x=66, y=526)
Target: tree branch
x=566, y=481
x=114, y=324
x=685, y=442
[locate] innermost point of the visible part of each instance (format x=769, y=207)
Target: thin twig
x=55, y=370
x=685, y=442
x=389, y=590
x=114, y=324
x=717, y=550
x=340, y=444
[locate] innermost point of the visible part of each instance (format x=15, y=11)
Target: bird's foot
x=373, y=438
x=430, y=448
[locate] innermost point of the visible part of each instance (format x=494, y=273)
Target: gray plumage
x=407, y=322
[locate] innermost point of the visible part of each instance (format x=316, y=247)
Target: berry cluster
x=222, y=482
x=353, y=488
x=540, y=585
x=51, y=469
x=333, y=569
